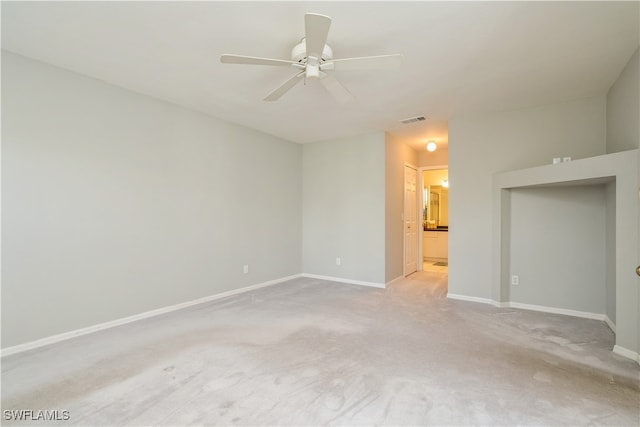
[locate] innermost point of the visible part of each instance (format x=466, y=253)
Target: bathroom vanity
x=435, y=243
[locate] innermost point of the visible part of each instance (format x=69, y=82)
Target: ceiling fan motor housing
x=315, y=60
x=299, y=52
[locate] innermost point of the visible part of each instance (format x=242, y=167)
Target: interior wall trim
x=532, y=307
x=625, y=352
x=472, y=299
x=555, y=310
x=341, y=280
x=610, y=323
x=113, y=323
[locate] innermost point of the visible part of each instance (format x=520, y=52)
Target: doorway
x=434, y=203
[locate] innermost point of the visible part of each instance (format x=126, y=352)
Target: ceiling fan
x=313, y=59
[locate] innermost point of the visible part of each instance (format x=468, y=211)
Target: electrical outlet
x=515, y=280
x=338, y=261
x=245, y=269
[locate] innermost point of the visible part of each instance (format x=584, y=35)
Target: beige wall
x=558, y=247
x=114, y=203
x=610, y=250
x=434, y=177
x=344, y=207
x=483, y=145
x=623, y=108
x=440, y=157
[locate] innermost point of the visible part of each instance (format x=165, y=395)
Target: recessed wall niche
x=613, y=196
x=558, y=243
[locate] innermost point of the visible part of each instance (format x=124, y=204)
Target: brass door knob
x=638, y=270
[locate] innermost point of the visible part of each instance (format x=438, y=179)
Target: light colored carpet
x=311, y=352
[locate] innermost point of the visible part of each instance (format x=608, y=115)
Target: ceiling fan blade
x=368, y=62
x=316, y=30
x=285, y=87
x=252, y=60
x=336, y=89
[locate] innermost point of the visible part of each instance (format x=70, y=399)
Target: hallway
x=432, y=281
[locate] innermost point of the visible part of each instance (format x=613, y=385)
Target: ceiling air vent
x=413, y=120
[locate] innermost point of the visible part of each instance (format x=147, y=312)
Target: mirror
x=436, y=199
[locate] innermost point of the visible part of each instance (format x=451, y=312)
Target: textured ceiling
x=460, y=58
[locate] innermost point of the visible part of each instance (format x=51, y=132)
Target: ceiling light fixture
x=431, y=146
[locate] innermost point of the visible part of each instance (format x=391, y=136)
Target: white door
x=410, y=222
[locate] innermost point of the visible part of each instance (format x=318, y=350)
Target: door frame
x=421, y=203
x=404, y=234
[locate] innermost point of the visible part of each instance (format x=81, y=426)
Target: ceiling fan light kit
x=313, y=58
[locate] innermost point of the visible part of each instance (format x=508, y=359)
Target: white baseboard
x=397, y=279
x=629, y=354
x=624, y=352
x=339, y=279
x=541, y=308
x=471, y=299
x=610, y=323
x=566, y=312
x=113, y=323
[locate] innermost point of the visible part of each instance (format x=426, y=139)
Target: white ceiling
x=460, y=58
